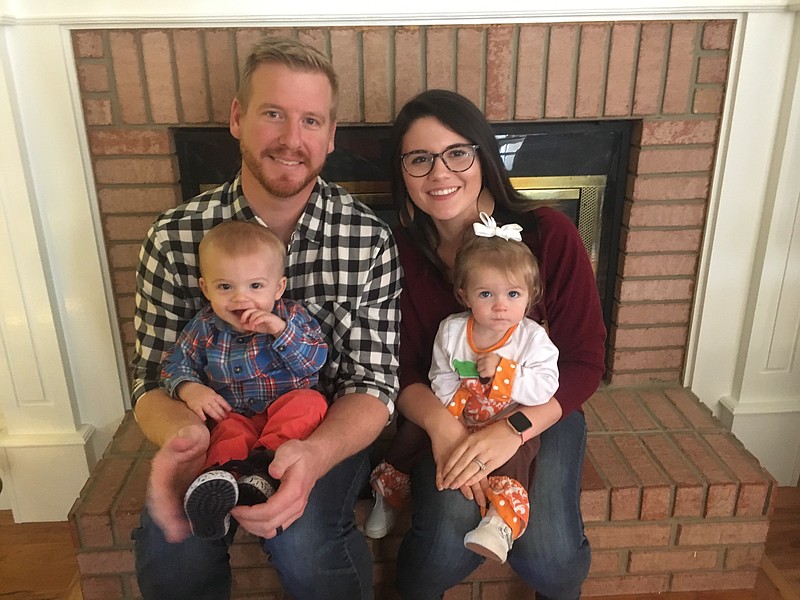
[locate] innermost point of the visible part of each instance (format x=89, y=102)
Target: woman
x=446, y=170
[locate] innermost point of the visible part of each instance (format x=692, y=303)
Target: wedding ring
x=278, y=531
x=480, y=463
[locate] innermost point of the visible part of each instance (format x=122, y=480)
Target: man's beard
x=278, y=188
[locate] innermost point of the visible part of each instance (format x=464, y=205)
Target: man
x=342, y=262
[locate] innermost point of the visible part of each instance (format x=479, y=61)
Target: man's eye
x=312, y=122
x=272, y=114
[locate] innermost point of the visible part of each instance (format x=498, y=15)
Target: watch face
x=520, y=422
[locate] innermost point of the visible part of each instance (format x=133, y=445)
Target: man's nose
x=290, y=134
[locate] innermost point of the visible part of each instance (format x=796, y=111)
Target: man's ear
x=331, y=145
x=236, y=115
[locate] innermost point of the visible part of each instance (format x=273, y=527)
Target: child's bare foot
x=173, y=468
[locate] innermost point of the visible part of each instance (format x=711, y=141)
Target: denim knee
x=194, y=569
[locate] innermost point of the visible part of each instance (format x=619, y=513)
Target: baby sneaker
x=256, y=485
x=380, y=520
x=492, y=538
x=208, y=503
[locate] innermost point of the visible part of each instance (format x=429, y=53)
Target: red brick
x=560, y=71
x=136, y=170
x=650, y=337
x=255, y=580
x=678, y=132
x=653, y=313
x=711, y=533
x=662, y=240
x=93, y=77
x=629, y=404
x=125, y=306
x=125, y=51
x=641, y=360
x=698, y=414
x=459, y=592
x=127, y=330
x=88, y=44
x=689, y=493
x=755, y=482
x=130, y=141
x=503, y=589
x=138, y=200
x=499, y=44
x=717, y=35
x=605, y=563
x=712, y=69
x=650, y=68
x=656, y=289
x=657, y=265
x=677, y=92
x=674, y=160
x=101, y=588
x=743, y=580
x=407, y=72
x=377, y=107
x=128, y=228
x=651, y=187
x=604, y=536
x=656, y=498
x=469, y=64
x=530, y=71
x=345, y=58
x=644, y=377
x=97, y=111
x=739, y=558
x=157, y=58
x=672, y=214
x=316, y=38
x=629, y=584
x=624, y=489
x=594, y=494
x=590, y=86
x=611, y=418
x=221, y=72
x=105, y=562
x=192, y=76
x=672, y=560
x=439, y=59
x=721, y=486
x=619, y=79
x=708, y=100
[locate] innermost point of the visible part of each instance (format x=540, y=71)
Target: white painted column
x=61, y=391
x=746, y=365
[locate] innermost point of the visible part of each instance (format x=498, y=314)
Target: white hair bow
x=489, y=228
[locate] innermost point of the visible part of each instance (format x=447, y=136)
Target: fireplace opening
x=580, y=167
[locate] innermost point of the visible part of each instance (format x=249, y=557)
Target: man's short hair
x=292, y=53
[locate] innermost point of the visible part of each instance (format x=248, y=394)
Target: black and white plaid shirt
x=342, y=264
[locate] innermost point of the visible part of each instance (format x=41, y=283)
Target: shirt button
x=237, y=370
x=240, y=340
x=251, y=401
x=282, y=348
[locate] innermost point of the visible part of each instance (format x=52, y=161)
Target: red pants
x=292, y=416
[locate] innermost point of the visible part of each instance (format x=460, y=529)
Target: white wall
x=62, y=383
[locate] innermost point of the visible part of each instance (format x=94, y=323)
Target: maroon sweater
x=570, y=306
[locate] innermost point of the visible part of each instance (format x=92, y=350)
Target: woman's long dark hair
x=459, y=114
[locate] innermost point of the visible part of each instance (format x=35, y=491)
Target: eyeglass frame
x=439, y=155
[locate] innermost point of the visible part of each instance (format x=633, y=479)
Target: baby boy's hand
x=262, y=321
x=203, y=401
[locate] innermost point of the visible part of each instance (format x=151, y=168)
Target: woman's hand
x=476, y=456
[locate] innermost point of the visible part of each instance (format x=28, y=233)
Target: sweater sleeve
x=572, y=307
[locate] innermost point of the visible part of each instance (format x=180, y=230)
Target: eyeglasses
x=456, y=158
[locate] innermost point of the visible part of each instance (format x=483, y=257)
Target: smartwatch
x=519, y=423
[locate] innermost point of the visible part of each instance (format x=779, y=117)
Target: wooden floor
x=37, y=561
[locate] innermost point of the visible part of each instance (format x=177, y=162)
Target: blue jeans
x=552, y=556
x=320, y=556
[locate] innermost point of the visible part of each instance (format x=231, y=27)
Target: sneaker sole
x=208, y=504
x=496, y=554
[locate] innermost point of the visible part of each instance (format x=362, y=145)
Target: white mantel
x=62, y=381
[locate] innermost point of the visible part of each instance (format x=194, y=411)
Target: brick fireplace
x=669, y=77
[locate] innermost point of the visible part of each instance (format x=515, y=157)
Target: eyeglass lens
x=456, y=158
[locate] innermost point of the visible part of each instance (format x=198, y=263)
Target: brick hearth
x=671, y=501
x=669, y=76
